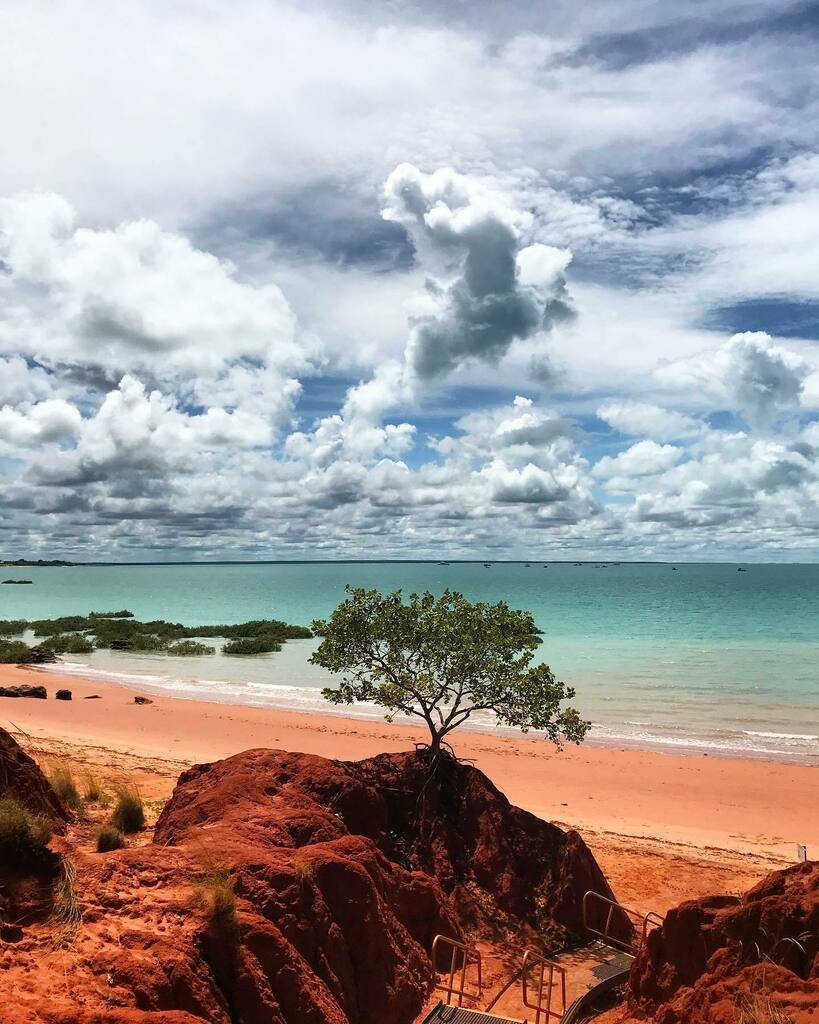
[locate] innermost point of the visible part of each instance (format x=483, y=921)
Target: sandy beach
x=664, y=827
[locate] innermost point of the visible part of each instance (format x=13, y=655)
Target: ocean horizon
x=674, y=656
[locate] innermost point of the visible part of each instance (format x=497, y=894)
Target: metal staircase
x=615, y=933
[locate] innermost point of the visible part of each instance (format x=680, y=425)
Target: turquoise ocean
x=697, y=657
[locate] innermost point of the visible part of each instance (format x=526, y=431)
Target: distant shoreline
x=534, y=562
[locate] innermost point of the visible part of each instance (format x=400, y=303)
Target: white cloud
x=48, y=421
x=653, y=421
x=645, y=458
x=749, y=373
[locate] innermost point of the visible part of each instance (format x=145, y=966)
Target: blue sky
x=344, y=280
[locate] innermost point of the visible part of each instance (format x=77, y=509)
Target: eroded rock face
x=343, y=874
x=21, y=778
x=712, y=956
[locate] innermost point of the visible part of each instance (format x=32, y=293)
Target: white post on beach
x=801, y=853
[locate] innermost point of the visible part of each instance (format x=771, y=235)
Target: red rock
x=712, y=956
x=20, y=777
x=342, y=873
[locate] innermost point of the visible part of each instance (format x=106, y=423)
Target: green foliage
x=189, y=648
x=274, y=628
x=63, y=784
x=252, y=645
x=146, y=642
x=442, y=660
x=72, y=634
x=12, y=627
x=14, y=652
x=64, y=624
x=108, y=838
x=22, y=834
x=68, y=643
x=129, y=811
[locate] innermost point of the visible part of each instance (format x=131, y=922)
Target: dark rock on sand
x=716, y=956
x=63, y=695
x=41, y=656
x=142, y=700
x=24, y=690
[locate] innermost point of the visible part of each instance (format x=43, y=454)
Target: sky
x=409, y=280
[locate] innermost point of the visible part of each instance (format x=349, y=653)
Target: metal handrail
x=529, y=958
x=635, y=918
x=469, y=955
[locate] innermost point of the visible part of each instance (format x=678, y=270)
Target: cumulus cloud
x=137, y=299
x=643, y=459
x=499, y=290
x=48, y=421
x=749, y=373
x=650, y=420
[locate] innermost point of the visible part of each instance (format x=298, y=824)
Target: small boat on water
x=487, y=565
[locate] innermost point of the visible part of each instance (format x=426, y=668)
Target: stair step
x=443, y=1014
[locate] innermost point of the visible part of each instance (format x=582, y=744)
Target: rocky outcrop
x=21, y=778
x=342, y=873
x=715, y=956
x=24, y=690
x=499, y=864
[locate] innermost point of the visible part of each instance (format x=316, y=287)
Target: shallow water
x=702, y=657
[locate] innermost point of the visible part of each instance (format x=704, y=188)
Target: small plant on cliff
x=442, y=660
x=22, y=834
x=213, y=892
x=109, y=837
x=129, y=810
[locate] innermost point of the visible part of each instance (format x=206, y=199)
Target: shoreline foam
x=721, y=742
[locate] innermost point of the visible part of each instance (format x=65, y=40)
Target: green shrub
x=14, y=652
x=129, y=810
x=64, y=624
x=123, y=614
x=274, y=628
x=68, y=643
x=12, y=627
x=252, y=645
x=109, y=837
x=146, y=642
x=188, y=648
x=63, y=784
x=22, y=833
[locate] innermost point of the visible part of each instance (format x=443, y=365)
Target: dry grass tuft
x=761, y=1010
x=109, y=838
x=67, y=914
x=213, y=892
x=22, y=834
x=62, y=782
x=93, y=791
x=129, y=810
